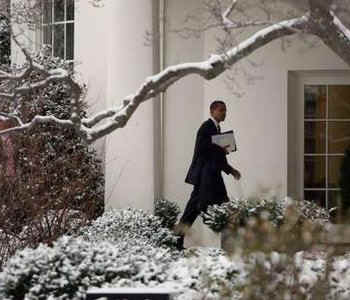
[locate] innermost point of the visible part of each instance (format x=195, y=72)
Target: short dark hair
x=215, y=104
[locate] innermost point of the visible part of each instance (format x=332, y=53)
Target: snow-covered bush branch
x=238, y=211
x=132, y=225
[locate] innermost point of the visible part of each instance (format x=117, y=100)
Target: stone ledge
x=130, y=294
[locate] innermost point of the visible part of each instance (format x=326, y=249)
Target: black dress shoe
x=180, y=243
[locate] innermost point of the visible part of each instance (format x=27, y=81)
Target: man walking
x=205, y=172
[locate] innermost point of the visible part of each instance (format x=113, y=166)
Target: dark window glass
x=315, y=137
x=59, y=10
x=339, y=102
x=70, y=41
x=334, y=199
x=70, y=10
x=314, y=172
x=315, y=101
x=318, y=197
x=334, y=164
x=47, y=32
x=47, y=12
x=59, y=40
x=338, y=136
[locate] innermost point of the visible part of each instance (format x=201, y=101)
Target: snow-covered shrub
x=208, y=277
x=132, y=225
x=311, y=211
x=71, y=266
x=217, y=217
x=167, y=211
x=239, y=210
x=275, y=276
x=339, y=278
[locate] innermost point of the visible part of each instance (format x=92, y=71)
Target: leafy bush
x=54, y=172
x=167, y=211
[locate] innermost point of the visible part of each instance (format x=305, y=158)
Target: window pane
x=338, y=136
x=70, y=10
x=59, y=10
x=47, y=12
x=315, y=133
x=318, y=197
x=334, y=199
x=334, y=164
x=315, y=101
x=47, y=35
x=339, y=101
x=59, y=40
x=70, y=41
x=314, y=172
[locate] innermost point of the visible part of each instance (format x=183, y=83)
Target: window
x=58, y=27
x=326, y=136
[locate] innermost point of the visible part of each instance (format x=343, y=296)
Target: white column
x=129, y=151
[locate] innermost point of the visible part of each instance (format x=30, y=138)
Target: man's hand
x=236, y=174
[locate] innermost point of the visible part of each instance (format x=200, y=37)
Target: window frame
x=326, y=155
x=53, y=23
x=296, y=113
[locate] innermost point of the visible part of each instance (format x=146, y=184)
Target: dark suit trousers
x=192, y=209
x=197, y=203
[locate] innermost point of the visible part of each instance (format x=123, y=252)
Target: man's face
x=219, y=113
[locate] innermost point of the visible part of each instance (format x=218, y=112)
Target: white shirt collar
x=215, y=122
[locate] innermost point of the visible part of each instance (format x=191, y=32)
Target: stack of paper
x=225, y=139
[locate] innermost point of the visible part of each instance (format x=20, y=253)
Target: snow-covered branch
x=227, y=24
x=330, y=29
x=341, y=27
x=225, y=16
x=35, y=121
x=209, y=69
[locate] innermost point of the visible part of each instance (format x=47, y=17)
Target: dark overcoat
x=207, y=163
